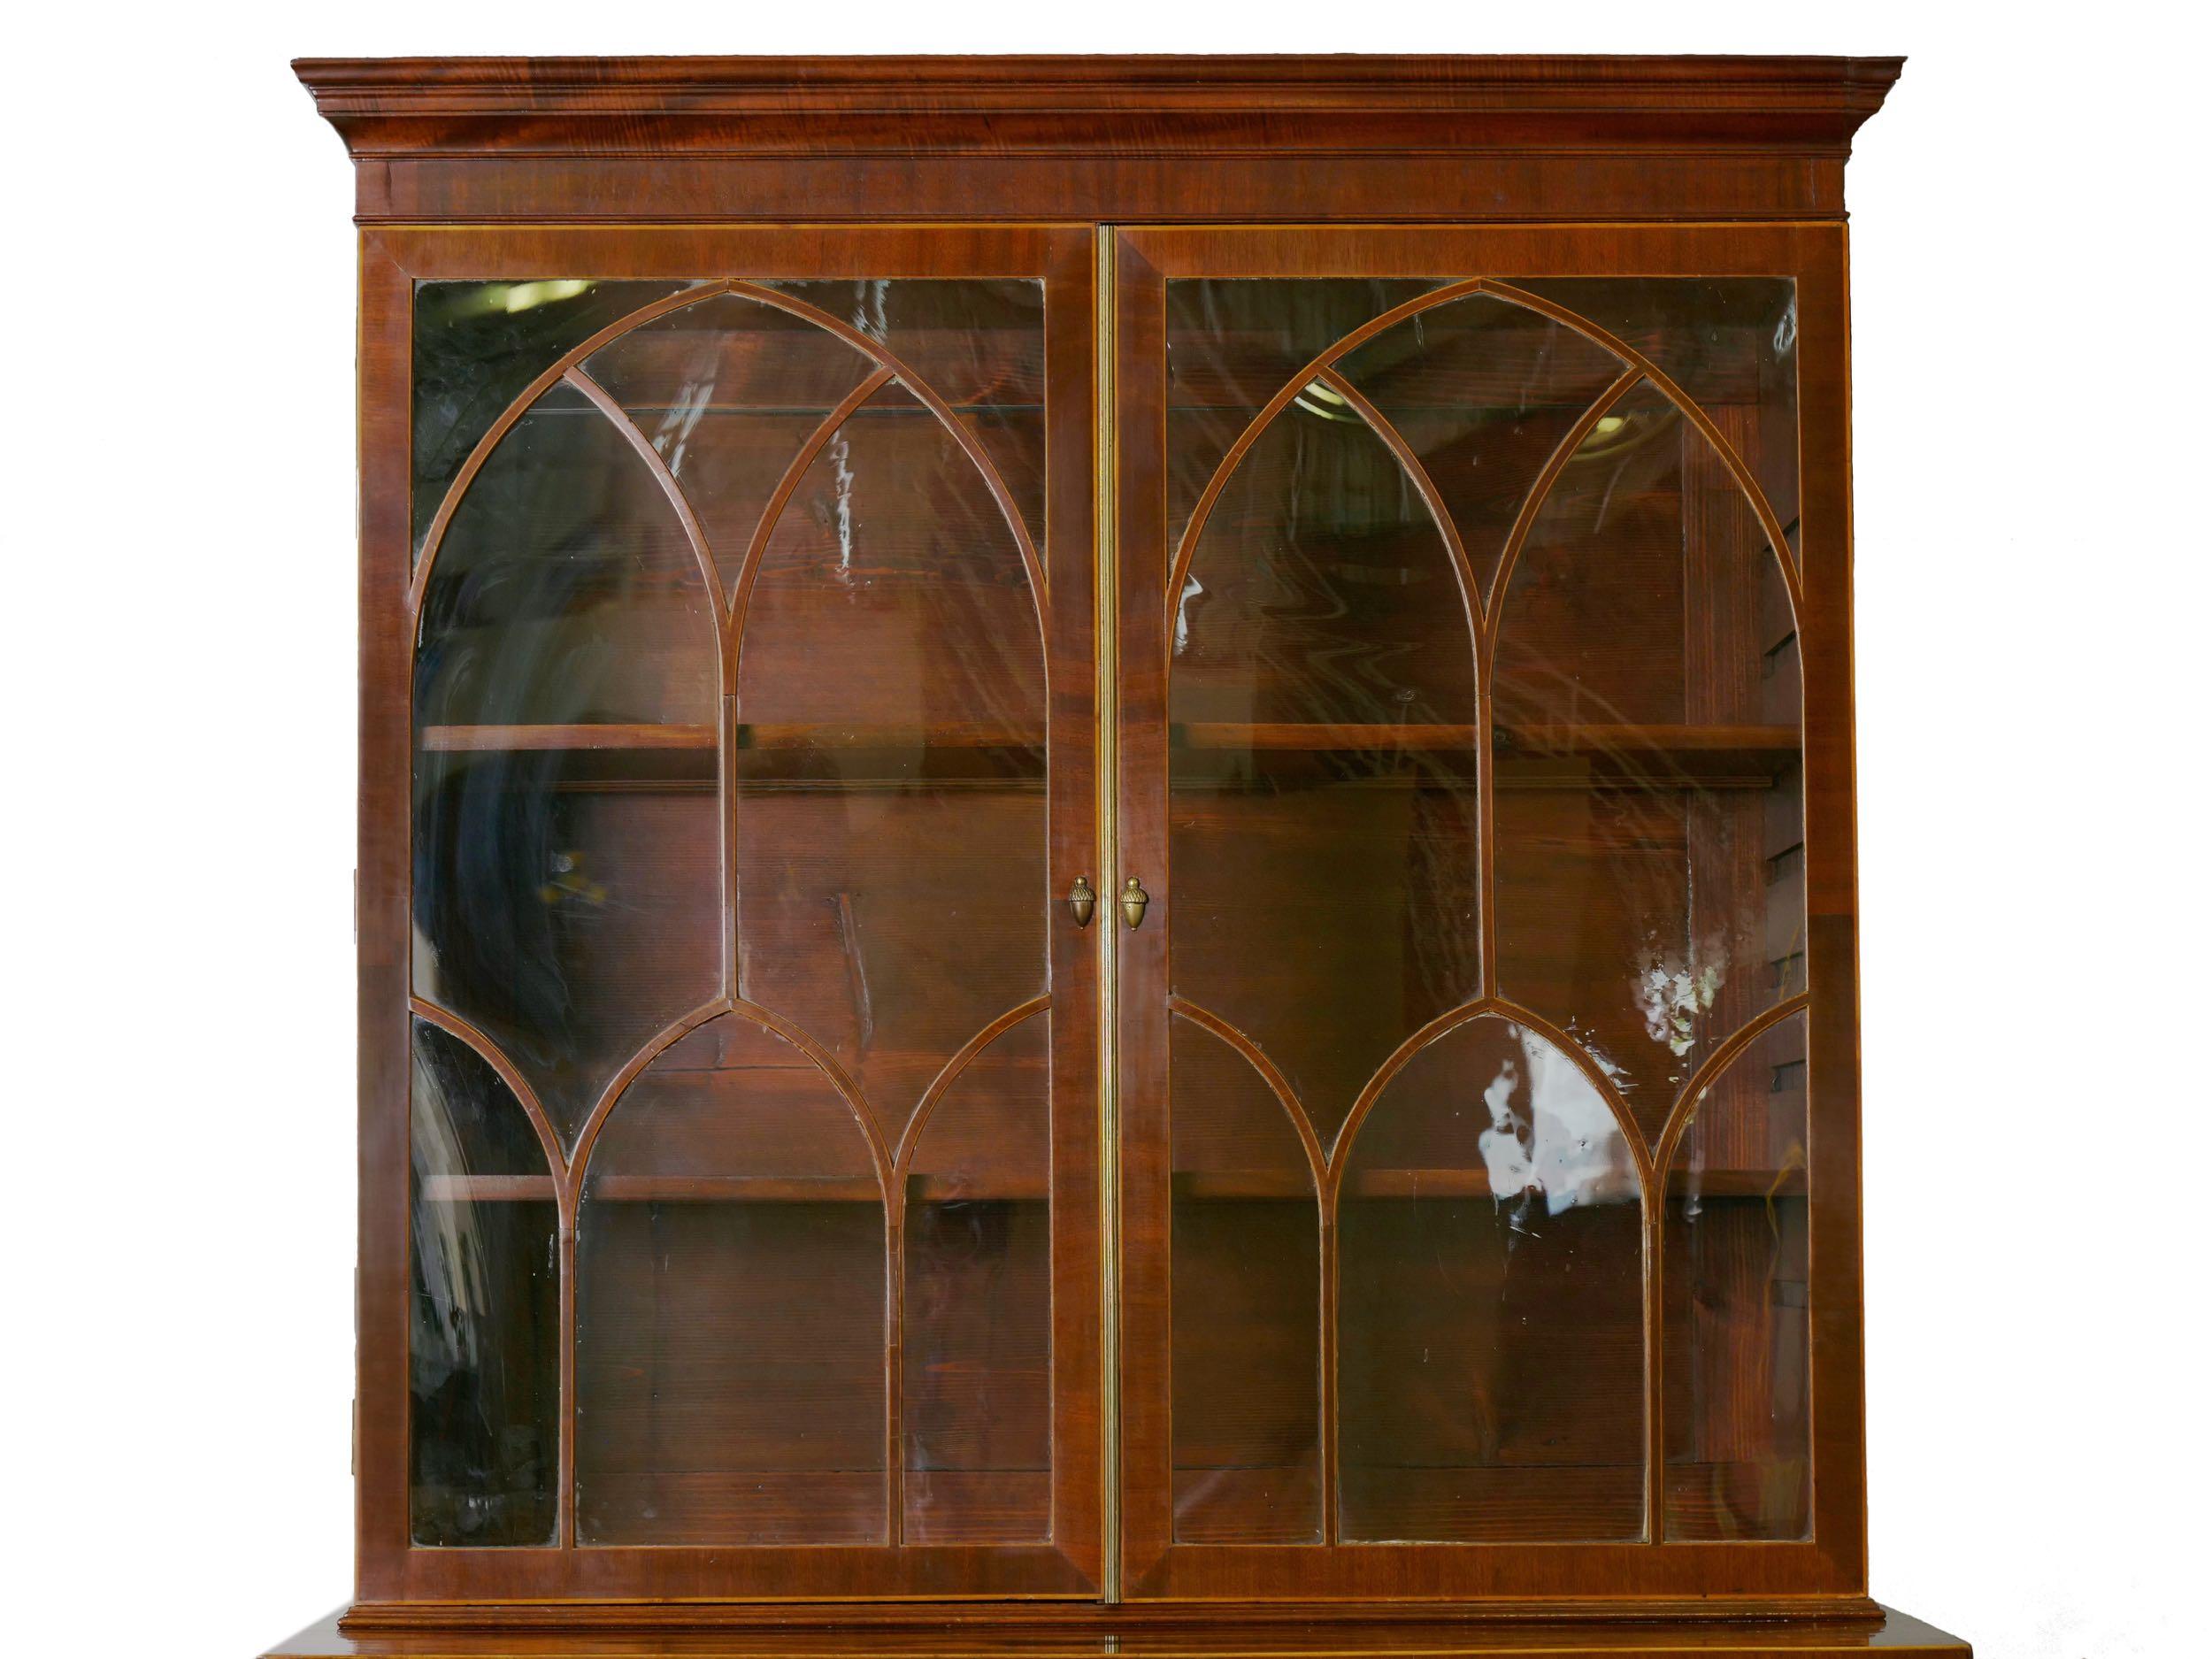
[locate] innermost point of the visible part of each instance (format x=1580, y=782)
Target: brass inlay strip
x=1108, y=770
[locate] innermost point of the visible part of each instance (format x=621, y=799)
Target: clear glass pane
x=1232, y=345
x=1490, y=1346
x=1729, y=342
x=890, y=799
x=484, y=1339
x=730, y=1306
x=978, y=345
x=1322, y=761
x=1484, y=393
x=566, y=853
x=477, y=347
x=1647, y=733
x=728, y=392
x=978, y=1356
x=885, y=823
x=1737, y=1268
x=1245, y=1256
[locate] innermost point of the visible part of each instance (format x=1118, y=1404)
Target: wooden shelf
x=1644, y=757
x=488, y=740
x=480, y=740
x=1204, y=1186
x=780, y=758
x=1285, y=1185
x=1624, y=744
x=1549, y=742
x=730, y=1189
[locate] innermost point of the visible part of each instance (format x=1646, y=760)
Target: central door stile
x=1106, y=644
x=1135, y=427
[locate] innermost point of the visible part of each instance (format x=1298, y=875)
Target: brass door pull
x=1133, y=899
x=1081, y=900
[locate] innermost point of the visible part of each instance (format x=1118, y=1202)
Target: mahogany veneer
x=1107, y=889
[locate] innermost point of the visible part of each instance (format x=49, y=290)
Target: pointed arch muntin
x=577, y=1171
x=1186, y=544
x=1364, y=1105
x=1384, y=427
x=568, y=370
x=772, y=514
x=895, y=1249
x=1327, y=1169
x=1525, y=521
x=1679, y=1117
x=565, y=1252
x=434, y=537
x=1533, y=505
x=775, y=1025
x=1746, y=480
x=490, y=1053
x=693, y=532
x=929, y=396
x=910, y=1142
x=1278, y=1085
x=1624, y=1123
x=1325, y=1219
x=1709, y=1071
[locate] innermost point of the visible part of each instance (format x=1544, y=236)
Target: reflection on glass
x=1738, y=1431
x=730, y=1323
x=1490, y=1347
x=477, y=347
x=728, y=392
x=1325, y=742
x=483, y=1344
x=1233, y=344
x=1483, y=392
x=977, y=1311
x=1322, y=761
x=861, y=462
x=890, y=804
x=977, y=344
x=1729, y=342
x=1645, y=723
x=566, y=857
x=1246, y=1305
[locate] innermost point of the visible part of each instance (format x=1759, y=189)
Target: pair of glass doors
x=1105, y=911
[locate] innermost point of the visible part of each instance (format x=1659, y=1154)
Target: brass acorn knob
x=1133, y=899
x=1082, y=901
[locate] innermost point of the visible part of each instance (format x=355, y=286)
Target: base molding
x=1110, y=1633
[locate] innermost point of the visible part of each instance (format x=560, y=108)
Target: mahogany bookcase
x=1106, y=889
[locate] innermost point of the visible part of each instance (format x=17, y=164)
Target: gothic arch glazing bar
x=434, y=536
x=1186, y=544
x=936, y=405
x=793, y=474
x=647, y=453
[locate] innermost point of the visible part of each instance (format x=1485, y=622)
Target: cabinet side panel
x=380, y=924
x=1832, y=906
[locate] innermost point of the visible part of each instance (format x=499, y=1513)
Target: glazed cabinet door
x=732, y=1190
x=1486, y=1095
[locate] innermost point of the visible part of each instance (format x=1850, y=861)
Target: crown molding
x=1131, y=105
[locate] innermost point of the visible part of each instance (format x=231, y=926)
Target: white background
x=2032, y=437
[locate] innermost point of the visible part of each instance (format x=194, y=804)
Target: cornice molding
x=389, y=108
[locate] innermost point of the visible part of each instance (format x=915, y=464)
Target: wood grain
x=1490, y=177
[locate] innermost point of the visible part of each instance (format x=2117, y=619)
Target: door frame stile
x=1105, y=627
